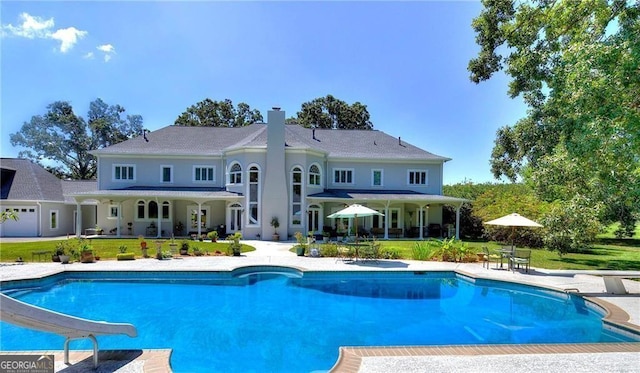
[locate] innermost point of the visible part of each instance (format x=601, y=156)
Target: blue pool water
x=265, y=322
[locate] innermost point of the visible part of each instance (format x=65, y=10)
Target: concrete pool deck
x=617, y=357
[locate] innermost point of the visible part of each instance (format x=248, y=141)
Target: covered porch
x=161, y=212
x=407, y=214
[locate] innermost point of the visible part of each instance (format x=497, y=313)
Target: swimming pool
x=281, y=320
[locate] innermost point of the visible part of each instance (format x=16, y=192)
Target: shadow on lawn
x=627, y=242
x=614, y=264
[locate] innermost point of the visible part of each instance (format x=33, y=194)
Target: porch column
x=78, y=219
x=386, y=221
x=458, y=221
x=420, y=222
x=119, y=221
x=159, y=223
x=199, y=219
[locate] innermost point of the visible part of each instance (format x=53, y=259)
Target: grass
x=607, y=253
x=106, y=248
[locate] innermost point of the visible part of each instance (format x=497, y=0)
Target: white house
x=238, y=179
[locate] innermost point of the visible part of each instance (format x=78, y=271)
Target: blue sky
x=405, y=60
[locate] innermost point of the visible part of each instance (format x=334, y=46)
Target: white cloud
x=68, y=37
x=88, y=56
x=108, y=50
x=33, y=27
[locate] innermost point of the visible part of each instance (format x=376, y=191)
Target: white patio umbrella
x=354, y=211
x=513, y=220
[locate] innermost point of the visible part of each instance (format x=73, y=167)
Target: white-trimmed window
x=417, y=177
x=377, y=177
x=235, y=174
x=314, y=175
x=113, y=212
x=149, y=210
x=343, y=175
x=124, y=172
x=166, y=174
x=53, y=219
x=254, y=195
x=204, y=174
x=296, y=196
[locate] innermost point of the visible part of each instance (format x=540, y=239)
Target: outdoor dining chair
x=521, y=256
x=488, y=257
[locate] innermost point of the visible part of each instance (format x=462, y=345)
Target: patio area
x=623, y=309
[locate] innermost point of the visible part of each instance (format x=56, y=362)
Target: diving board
x=23, y=314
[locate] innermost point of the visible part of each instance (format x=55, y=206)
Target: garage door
x=25, y=226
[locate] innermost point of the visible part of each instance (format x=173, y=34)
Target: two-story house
x=238, y=179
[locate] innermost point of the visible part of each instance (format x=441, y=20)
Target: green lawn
x=605, y=254
x=106, y=248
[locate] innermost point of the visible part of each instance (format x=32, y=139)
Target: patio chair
x=370, y=252
x=345, y=253
x=489, y=257
x=520, y=256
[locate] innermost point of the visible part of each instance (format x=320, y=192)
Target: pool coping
x=350, y=358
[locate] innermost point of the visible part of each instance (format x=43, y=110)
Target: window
x=296, y=196
x=151, y=210
x=53, y=219
x=343, y=176
x=166, y=174
x=113, y=212
x=203, y=173
x=376, y=177
x=417, y=177
x=314, y=175
x=141, y=209
x=254, y=182
x=235, y=174
x=124, y=172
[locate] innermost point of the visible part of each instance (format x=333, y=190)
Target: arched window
x=235, y=174
x=153, y=210
x=296, y=196
x=314, y=175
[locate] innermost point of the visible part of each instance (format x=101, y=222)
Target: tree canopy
x=332, y=113
x=65, y=138
x=576, y=64
x=209, y=113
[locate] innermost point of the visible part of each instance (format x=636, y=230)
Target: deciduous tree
x=576, y=64
x=209, y=113
x=64, y=138
x=330, y=112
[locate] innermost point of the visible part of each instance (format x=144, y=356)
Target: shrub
x=422, y=251
x=329, y=250
x=122, y=249
x=126, y=256
x=390, y=254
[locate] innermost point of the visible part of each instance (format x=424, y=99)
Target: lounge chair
x=23, y=314
x=520, y=256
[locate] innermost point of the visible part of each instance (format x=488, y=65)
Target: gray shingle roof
x=30, y=182
x=214, y=141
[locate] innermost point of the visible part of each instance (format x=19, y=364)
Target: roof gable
x=30, y=182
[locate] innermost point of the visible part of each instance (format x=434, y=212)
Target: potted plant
x=213, y=236
x=197, y=251
x=301, y=247
x=179, y=228
x=275, y=223
x=86, y=253
x=325, y=236
x=235, y=247
x=60, y=250
x=184, y=247
x=143, y=246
